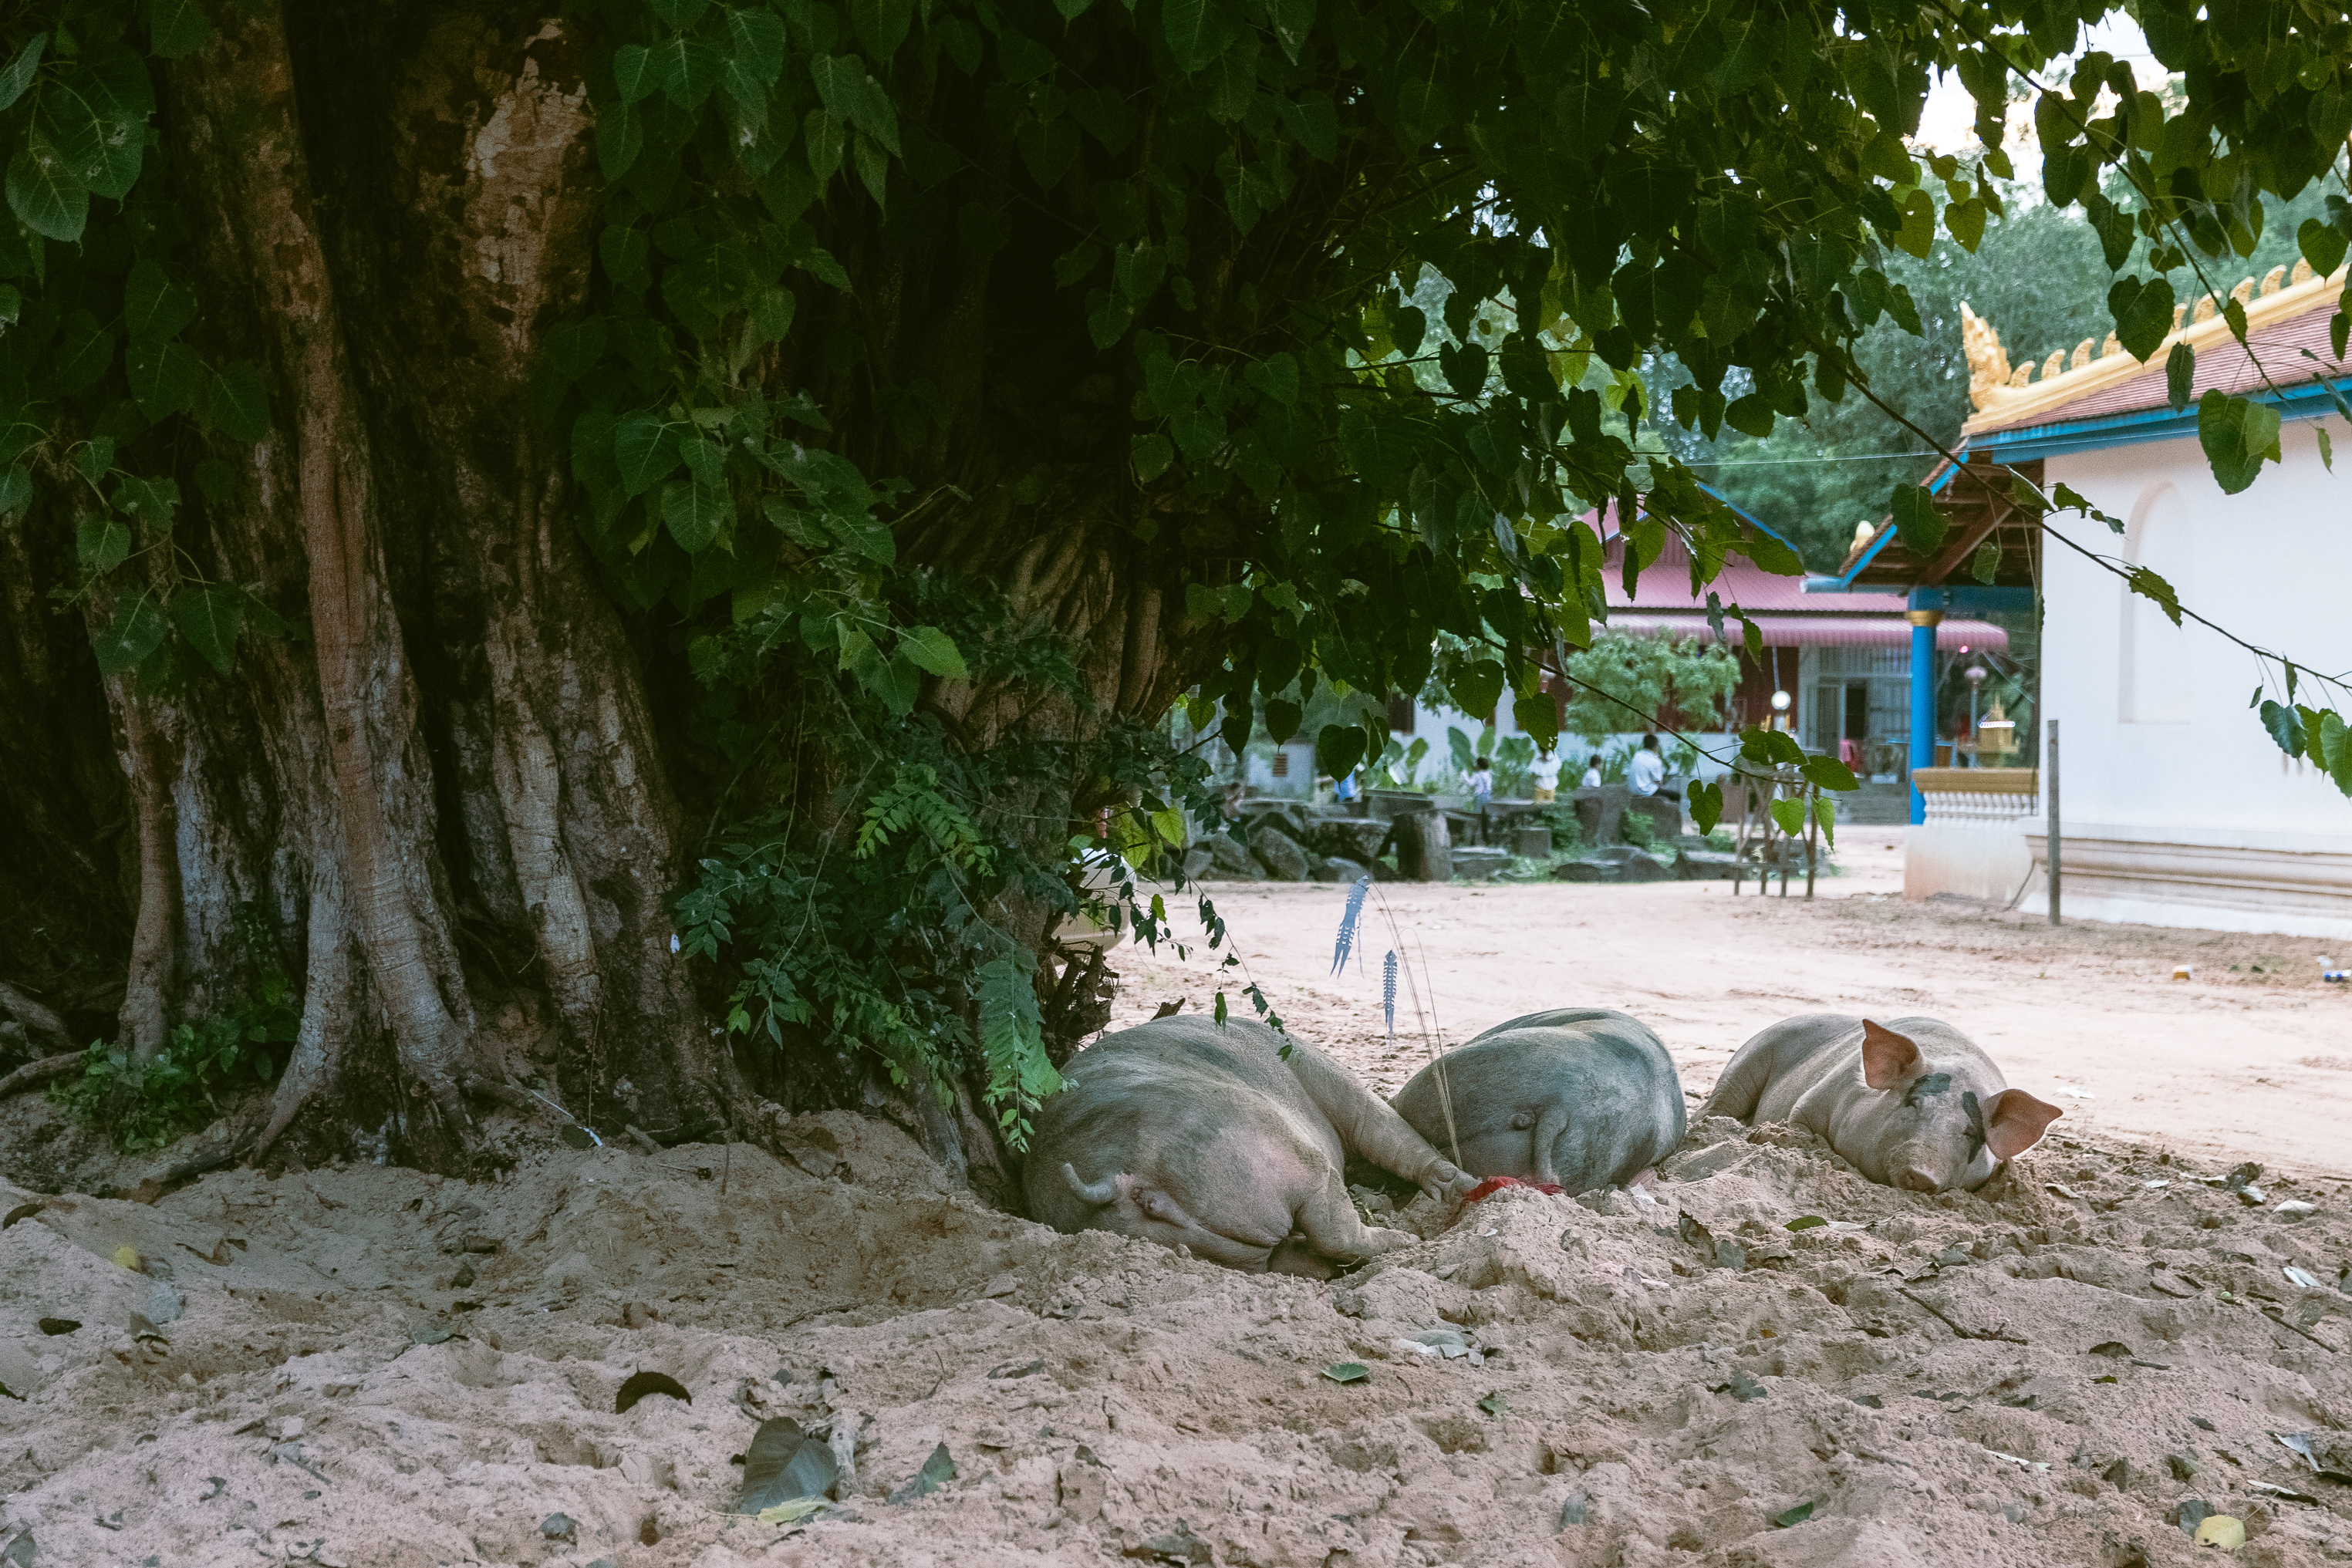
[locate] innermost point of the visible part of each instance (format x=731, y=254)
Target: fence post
x=2050, y=782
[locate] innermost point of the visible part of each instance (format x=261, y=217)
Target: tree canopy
x=952, y=387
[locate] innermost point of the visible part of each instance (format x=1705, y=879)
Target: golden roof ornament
x=1987, y=361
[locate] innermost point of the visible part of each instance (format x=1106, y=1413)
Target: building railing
x=1978, y=795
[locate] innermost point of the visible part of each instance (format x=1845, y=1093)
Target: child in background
x=1481, y=781
x=1544, y=771
x=1591, y=780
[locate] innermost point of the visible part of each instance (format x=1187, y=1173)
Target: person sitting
x=1591, y=780
x=1544, y=775
x=1648, y=775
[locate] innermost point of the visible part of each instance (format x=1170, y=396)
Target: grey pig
x=1578, y=1097
x=1189, y=1133
x=1912, y=1103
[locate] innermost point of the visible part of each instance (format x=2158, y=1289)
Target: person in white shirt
x=1649, y=768
x=1544, y=773
x=1481, y=781
x=1591, y=780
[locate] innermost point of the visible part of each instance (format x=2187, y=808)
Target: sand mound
x=371, y=1366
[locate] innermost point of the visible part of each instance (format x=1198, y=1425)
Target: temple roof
x=2286, y=314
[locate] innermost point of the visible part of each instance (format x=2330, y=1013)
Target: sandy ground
x=365, y=1367
x=2232, y=1062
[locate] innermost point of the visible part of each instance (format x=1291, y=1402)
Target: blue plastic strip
x=1845, y=584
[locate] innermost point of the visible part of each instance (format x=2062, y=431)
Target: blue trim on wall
x=2032, y=441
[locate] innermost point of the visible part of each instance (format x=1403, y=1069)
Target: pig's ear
x=1887, y=1058
x=2017, y=1123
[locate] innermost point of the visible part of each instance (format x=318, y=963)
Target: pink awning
x=1818, y=630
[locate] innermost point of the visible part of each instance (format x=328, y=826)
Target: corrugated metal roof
x=1838, y=630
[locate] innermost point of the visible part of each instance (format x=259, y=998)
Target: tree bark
x=458, y=807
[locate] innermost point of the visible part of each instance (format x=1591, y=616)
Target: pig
x=1193, y=1133
x=1577, y=1097
x=1911, y=1104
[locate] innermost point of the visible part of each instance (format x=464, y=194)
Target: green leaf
x=1789, y=815
x=2322, y=245
x=1825, y=813
x=873, y=169
x=240, y=404
x=1198, y=32
x=2285, y=728
x=2179, y=375
x=1797, y=1515
x=136, y=631
x=1705, y=806
x=94, y=458
x=645, y=448
x=2143, y=313
x=2237, y=434
x=1344, y=1371
x=695, y=513
x=151, y=501
x=2156, y=589
x=2335, y=747
x=1985, y=565
x=1338, y=748
x=101, y=543
x=164, y=377
x=933, y=651
x=15, y=488
x=1495, y=1406
x=1917, y=520
x=755, y=41
x=217, y=479
x=1281, y=720
x=1829, y=773
x=827, y=137
x=1476, y=686
x=633, y=72
x=881, y=25
x=19, y=74
x=209, y=619
x=153, y=307
x=1151, y=455
x=1538, y=717
x=864, y=534
x=771, y=312
x=1276, y=376
x=176, y=28
x=46, y=195
x=685, y=69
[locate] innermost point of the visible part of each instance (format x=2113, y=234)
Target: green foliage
x=879, y=917
x=148, y=1105
x=1627, y=680
x=114, y=387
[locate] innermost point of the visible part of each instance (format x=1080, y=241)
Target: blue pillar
x=1923, y=701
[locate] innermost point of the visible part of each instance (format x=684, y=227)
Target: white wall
x=2161, y=760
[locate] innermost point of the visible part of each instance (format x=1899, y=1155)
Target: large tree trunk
x=456, y=809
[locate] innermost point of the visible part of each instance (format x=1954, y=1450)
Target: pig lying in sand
x=1913, y=1104
x=1191, y=1133
x=1577, y=1097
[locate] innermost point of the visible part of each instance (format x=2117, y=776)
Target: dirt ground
x=365, y=1367
x=2251, y=1057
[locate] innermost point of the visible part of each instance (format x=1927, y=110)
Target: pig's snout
x=1912, y=1178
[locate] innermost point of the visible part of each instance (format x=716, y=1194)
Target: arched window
x=2154, y=659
